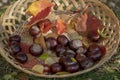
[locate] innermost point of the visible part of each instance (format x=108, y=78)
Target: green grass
x=108, y=71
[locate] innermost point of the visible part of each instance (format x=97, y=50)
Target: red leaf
x=93, y=23
x=45, y=25
x=25, y=47
x=41, y=15
x=30, y=64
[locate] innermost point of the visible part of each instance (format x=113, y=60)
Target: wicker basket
x=15, y=16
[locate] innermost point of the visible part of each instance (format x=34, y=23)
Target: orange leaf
x=61, y=26
x=38, y=6
x=45, y=25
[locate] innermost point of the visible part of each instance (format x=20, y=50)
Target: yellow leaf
x=38, y=6
x=38, y=68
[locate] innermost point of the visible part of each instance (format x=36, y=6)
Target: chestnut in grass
x=36, y=50
x=21, y=57
x=62, y=40
x=34, y=31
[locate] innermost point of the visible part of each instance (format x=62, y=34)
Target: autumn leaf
x=61, y=26
x=30, y=64
x=81, y=23
x=45, y=25
x=38, y=6
x=25, y=47
x=93, y=23
x=38, y=68
x=39, y=10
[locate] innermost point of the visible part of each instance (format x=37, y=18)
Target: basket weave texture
x=15, y=16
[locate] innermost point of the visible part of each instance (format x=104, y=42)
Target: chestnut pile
x=73, y=54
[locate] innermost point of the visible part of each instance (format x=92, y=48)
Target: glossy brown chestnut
x=62, y=40
x=21, y=57
x=82, y=50
x=87, y=63
x=51, y=43
x=80, y=57
x=69, y=53
x=47, y=69
x=66, y=61
x=60, y=50
x=36, y=50
x=15, y=38
x=75, y=44
x=34, y=31
x=56, y=67
x=15, y=48
x=73, y=68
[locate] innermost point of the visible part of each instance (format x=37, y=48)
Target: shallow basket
x=15, y=16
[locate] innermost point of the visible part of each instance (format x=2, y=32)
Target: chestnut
x=94, y=52
x=21, y=57
x=60, y=50
x=95, y=56
x=62, y=40
x=15, y=48
x=34, y=31
x=82, y=50
x=75, y=44
x=87, y=63
x=67, y=61
x=69, y=53
x=15, y=38
x=51, y=42
x=36, y=50
x=73, y=68
x=93, y=48
x=80, y=57
x=47, y=69
x=56, y=67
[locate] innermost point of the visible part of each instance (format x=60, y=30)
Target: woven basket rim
x=66, y=75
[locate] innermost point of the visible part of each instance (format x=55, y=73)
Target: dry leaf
x=61, y=26
x=40, y=40
x=81, y=23
x=45, y=25
x=38, y=68
x=39, y=10
x=38, y=6
x=30, y=63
